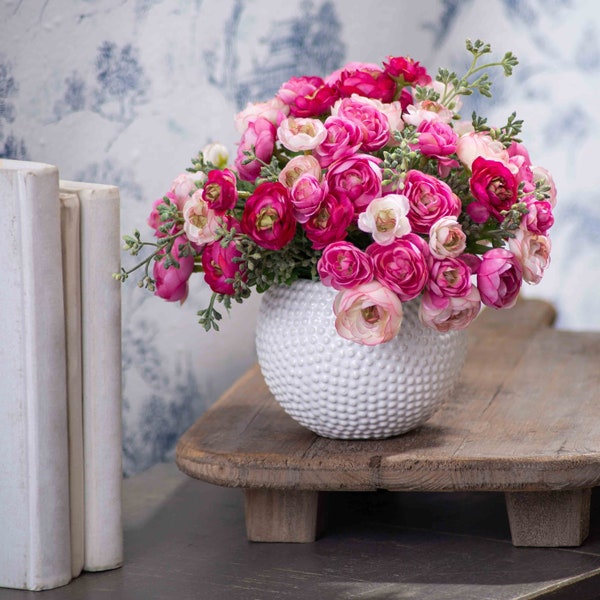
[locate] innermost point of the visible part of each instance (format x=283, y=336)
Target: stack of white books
x=60, y=378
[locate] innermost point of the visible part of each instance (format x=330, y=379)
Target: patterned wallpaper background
x=127, y=91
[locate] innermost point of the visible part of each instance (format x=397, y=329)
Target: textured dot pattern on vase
x=344, y=390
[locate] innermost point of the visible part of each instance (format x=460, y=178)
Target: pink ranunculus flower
x=540, y=174
x=171, y=283
x=343, y=139
x=368, y=81
x=220, y=267
x=274, y=111
x=259, y=137
x=200, y=221
x=306, y=194
x=447, y=313
x=447, y=238
x=357, y=178
x=344, y=266
x=184, y=185
x=330, y=221
x=385, y=218
x=493, y=186
x=436, y=138
x=369, y=314
x=307, y=96
x=430, y=199
x=220, y=190
x=407, y=70
x=532, y=252
x=473, y=145
x=301, y=134
x=539, y=218
x=373, y=123
x=298, y=166
x=499, y=278
x=520, y=164
x=154, y=220
x=268, y=216
x=401, y=265
x=449, y=277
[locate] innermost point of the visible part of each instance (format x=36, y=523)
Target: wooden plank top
x=524, y=417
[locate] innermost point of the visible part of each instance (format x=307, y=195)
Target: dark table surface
x=185, y=539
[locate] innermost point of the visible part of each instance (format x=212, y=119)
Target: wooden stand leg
x=282, y=516
x=549, y=518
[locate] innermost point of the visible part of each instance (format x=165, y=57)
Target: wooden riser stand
x=523, y=421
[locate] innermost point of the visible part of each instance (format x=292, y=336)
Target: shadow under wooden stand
x=523, y=420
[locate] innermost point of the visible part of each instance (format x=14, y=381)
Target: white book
x=35, y=548
x=71, y=264
x=101, y=373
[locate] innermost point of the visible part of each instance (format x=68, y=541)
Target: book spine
x=71, y=264
x=101, y=364
x=34, y=499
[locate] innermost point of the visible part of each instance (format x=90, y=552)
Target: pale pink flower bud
x=274, y=110
x=533, y=253
x=446, y=238
x=184, y=185
x=201, y=221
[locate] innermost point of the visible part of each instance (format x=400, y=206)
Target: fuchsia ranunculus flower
x=343, y=138
x=307, y=194
x=436, y=138
x=499, y=278
x=430, y=199
x=539, y=218
x=343, y=266
x=220, y=191
x=493, y=186
x=407, y=70
x=367, y=81
x=259, y=138
x=357, y=178
x=268, y=216
x=171, y=283
x=402, y=265
x=369, y=314
x=330, y=221
x=307, y=96
x=449, y=277
x=448, y=313
x=220, y=267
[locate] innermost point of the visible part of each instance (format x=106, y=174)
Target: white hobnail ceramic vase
x=344, y=390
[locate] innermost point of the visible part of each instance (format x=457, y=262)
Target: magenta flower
x=343, y=266
x=220, y=191
x=219, y=267
x=330, y=221
x=499, y=278
x=268, y=216
x=407, y=70
x=259, y=138
x=171, y=283
x=402, y=265
x=343, y=139
x=430, y=199
x=493, y=186
x=307, y=96
x=370, y=82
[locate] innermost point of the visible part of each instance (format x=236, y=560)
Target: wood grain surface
x=524, y=417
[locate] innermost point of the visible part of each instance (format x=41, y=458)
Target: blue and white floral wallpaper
x=126, y=91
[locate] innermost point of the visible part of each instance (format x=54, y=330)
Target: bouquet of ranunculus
x=368, y=181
